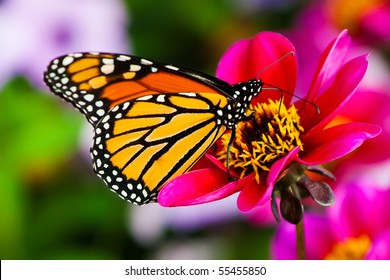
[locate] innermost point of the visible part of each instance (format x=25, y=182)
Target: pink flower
x=364, y=18
x=309, y=35
x=357, y=227
x=281, y=132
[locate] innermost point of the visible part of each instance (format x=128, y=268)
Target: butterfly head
x=244, y=93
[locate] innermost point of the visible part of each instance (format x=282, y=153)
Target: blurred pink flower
x=365, y=19
x=357, y=227
x=315, y=141
x=33, y=32
x=309, y=35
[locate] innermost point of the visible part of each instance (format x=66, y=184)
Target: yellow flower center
x=354, y=248
x=273, y=131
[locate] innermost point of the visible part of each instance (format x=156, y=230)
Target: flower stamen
x=273, y=131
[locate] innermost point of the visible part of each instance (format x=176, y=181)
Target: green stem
x=301, y=248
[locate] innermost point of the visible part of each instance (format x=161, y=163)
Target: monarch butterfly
x=152, y=122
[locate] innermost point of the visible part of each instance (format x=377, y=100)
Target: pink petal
x=372, y=107
x=331, y=61
x=372, y=23
x=380, y=248
x=253, y=195
x=336, y=142
x=334, y=98
x=278, y=167
x=260, y=56
x=361, y=209
x=197, y=187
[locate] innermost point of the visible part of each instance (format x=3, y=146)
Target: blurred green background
x=52, y=204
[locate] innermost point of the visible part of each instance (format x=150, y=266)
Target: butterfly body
x=152, y=122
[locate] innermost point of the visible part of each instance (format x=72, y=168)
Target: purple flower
x=33, y=32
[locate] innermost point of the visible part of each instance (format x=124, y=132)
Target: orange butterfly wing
x=152, y=122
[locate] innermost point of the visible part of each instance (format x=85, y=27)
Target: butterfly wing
x=141, y=144
x=96, y=82
x=152, y=121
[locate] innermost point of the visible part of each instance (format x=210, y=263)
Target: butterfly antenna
x=272, y=87
x=273, y=63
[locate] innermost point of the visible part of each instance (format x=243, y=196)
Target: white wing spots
x=154, y=69
x=125, y=105
x=77, y=55
x=145, y=98
x=108, y=61
x=105, y=119
x=189, y=94
x=108, y=66
x=67, y=60
x=220, y=113
x=161, y=98
x=123, y=57
x=174, y=68
x=144, y=193
x=89, y=97
x=61, y=83
x=107, y=69
x=145, y=61
x=100, y=112
x=129, y=189
x=60, y=70
x=134, y=67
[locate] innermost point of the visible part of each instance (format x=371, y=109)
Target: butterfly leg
x=232, y=136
